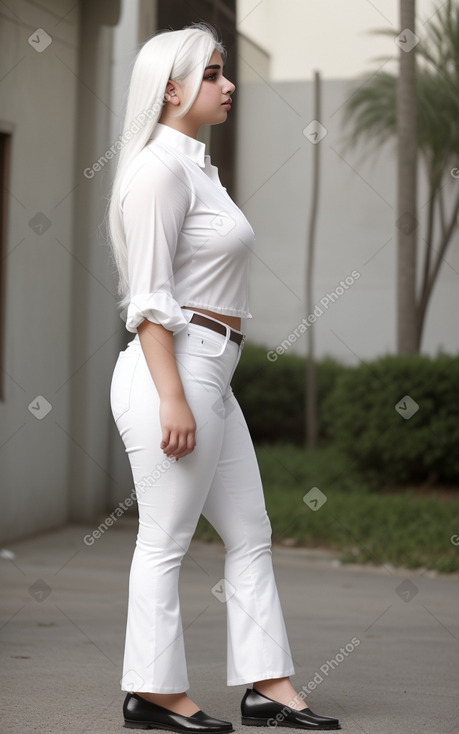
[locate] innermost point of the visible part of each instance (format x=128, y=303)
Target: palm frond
x=371, y=109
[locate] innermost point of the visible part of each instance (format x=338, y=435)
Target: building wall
x=254, y=61
x=355, y=228
x=335, y=37
x=38, y=91
x=133, y=23
x=62, y=328
x=95, y=325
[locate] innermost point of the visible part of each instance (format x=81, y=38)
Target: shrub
x=272, y=394
x=361, y=418
x=357, y=411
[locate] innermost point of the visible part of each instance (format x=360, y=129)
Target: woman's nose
x=229, y=87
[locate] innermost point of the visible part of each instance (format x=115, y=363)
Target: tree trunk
x=311, y=386
x=407, y=224
x=432, y=269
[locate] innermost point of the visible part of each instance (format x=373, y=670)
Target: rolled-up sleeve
x=154, y=202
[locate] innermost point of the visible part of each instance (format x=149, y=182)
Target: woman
x=181, y=247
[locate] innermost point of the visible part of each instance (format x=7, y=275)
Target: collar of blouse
x=191, y=147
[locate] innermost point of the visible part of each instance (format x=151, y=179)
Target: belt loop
x=228, y=334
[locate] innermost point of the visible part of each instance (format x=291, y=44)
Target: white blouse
x=188, y=243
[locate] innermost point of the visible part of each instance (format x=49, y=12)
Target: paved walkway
x=63, y=608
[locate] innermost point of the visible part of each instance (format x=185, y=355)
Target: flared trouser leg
x=257, y=643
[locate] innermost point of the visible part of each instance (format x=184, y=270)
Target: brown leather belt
x=202, y=320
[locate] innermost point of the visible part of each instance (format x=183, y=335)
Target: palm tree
x=373, y=112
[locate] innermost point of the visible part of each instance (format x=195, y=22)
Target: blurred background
x=344, y=269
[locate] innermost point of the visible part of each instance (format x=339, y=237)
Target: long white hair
x=178, y=55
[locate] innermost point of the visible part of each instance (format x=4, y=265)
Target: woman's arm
x=177, y=422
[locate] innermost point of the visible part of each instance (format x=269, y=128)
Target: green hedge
x=272, y=394
x=362, y=420
x=357, y=411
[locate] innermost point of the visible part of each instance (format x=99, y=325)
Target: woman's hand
x=178, y=427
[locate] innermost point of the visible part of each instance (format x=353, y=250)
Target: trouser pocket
x=122, y=379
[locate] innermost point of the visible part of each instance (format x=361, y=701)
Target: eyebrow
x=214, y=66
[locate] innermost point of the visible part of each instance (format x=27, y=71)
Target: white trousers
x=219, y=479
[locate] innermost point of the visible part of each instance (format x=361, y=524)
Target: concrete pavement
x=377, y=647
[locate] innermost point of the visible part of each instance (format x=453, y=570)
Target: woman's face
x=209, y=107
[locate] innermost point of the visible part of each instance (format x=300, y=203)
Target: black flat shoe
x=142, y=714
x=259, y=710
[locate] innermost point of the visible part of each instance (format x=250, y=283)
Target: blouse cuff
x=160, y=308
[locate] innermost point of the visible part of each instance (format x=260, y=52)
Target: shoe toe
x=259, y=710
x=211, y=723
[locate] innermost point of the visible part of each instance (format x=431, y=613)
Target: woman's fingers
x=190, y=444
x=178, y=427
x=178, y=444
x=165, y=441
x=171, y=444
x=191, y=440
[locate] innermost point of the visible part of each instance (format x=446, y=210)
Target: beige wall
x=332, y=36
x=38, y=92
x=355, y=228
x=254, y=61
x=62, y=330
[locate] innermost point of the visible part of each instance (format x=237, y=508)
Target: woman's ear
x=170, y=94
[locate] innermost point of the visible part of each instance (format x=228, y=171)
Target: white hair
x=177, y=55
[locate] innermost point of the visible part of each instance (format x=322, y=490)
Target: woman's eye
x=210, y=78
